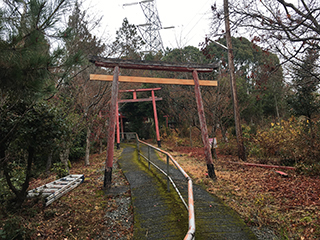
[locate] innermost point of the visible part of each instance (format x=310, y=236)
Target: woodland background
x=52, y=115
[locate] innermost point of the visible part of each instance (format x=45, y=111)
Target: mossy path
x=159, y=214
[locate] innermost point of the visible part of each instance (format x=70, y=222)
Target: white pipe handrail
x=190, y=207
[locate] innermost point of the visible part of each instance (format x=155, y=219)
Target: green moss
x=178, y=212
x=225, y=218
x=99, y=193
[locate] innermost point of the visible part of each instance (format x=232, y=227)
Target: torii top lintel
x=144, y=65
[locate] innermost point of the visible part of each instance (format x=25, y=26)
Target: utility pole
x=241, y=149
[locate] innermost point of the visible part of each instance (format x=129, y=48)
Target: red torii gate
x=130, y=64
x=135, y=99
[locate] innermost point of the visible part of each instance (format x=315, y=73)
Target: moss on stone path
x=159, y=214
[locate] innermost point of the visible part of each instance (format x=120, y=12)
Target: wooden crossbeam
x=130, y=79
x=139, y=100
x=163, y=66
x=140, y=90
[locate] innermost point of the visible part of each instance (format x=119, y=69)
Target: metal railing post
x=138, y=148
x=168, y=172
x=149, y=153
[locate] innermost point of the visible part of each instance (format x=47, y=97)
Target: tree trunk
x=6, y=171
x=223, y=131
x=277, y=109
x=25, y=185
x=190, y=135
x=22, y=193
x=64, y=157
x=49, y=162
x=100, y=146
x=241, y=150
x=107, y=178
x=87, y=156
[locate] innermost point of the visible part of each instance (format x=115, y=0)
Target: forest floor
x=86, y=212
x=289, y=206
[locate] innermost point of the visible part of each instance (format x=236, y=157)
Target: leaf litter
x=265, y=200
x=289, y=206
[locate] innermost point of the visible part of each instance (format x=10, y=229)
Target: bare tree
x=286, y=28
x=89, y=97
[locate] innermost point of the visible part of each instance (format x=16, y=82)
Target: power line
x=199, y=11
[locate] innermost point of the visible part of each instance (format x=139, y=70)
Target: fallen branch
x=263, y=165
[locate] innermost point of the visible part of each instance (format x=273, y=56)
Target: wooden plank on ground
x=282, y=174
x=131, y=79
x=262, y=165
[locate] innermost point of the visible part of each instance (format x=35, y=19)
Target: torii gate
x=153, y=99
x=131, y=64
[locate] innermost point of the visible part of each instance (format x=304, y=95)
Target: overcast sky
x=190, y=18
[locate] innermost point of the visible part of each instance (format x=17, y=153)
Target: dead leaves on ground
x=80, y=214
x=289, y=205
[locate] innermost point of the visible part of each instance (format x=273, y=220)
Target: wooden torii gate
x=116, y=64
x=152, y=99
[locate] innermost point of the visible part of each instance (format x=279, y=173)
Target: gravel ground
x=264, y=233
x=119, y=217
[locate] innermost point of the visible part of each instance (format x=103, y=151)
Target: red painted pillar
x=118, y=129
x=111, y=129
x=121, y=121
x=155, y=117
x=203, y=126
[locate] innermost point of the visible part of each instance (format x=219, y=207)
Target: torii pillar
x=119, y=115
x=111, y=128
x=121, y=125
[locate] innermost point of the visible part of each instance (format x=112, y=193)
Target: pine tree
x=305, y=98
x=88, y=96
x=30, y=68
x=304, y=101
x=128, y=42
